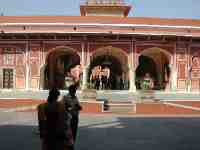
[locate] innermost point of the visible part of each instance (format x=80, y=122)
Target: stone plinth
x=88, y=95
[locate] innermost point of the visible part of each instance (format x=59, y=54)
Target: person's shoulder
x=66, y=97
x=62, y=100
x=76, y=99
x=41, y=110
x=42, y=105
x=61, y=105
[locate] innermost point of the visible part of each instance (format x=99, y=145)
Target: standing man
x=74, y=107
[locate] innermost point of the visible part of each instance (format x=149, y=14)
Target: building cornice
x=99, y=28
x=101, y=25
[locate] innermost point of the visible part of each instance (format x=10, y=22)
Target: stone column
x=85, y=64
x=51, y=63
x=27, y=67
x=189, y=71
x=174, y=79
x=85, y=77
x=132, y=87
x=189, y=79
x=1, y=78
x=42, y=77
x=189, y=85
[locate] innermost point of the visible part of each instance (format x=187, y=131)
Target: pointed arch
x=118, y=53
x=157, y=62
x=61, y=49
x=157, y=49
x=110, y=63
x=59, y=63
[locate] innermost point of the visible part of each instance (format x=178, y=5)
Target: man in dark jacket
x=74, y=107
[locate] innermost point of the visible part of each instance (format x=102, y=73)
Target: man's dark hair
x=72, y=88
x=53, y=95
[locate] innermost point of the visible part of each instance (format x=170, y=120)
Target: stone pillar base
x=88, y=95
x=132, y=87
x=84, y=82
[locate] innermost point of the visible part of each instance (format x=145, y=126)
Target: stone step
x=120, y=107
x=168, y=107
x=112, y=96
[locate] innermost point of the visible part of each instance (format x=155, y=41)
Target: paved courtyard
x=107, y=132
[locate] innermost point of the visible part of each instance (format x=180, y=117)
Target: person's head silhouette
x=53, y=95
x=72, y=90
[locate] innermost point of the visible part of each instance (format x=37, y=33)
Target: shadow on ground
x=141, y=134
x=19, y=137
x=121, y=133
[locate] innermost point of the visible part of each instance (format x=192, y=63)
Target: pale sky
x=141, y=8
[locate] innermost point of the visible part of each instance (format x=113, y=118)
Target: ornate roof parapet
x=105, y=8
x=105, y=2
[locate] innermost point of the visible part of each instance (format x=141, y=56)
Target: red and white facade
x=29, y=44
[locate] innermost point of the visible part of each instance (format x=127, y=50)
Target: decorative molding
x=61, y=24
x=181, y=54
x=182, y=84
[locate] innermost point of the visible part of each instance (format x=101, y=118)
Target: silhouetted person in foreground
x=72, y=102
x=52, y=124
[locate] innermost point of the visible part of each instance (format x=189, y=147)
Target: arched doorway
x=108, y=69
x=62, y=67
x=154, y=64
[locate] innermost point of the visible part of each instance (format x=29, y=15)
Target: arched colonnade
x=65, y=62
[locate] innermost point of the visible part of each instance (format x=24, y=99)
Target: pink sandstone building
x=38, y=52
